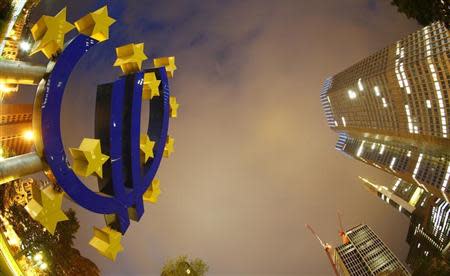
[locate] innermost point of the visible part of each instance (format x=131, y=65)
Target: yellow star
x=146, y=146
x=173, y=107
x=169, y=147
x=130, y=57
x=153, y=192
x=49, y=33
x=151, y=86
x=168, y=62
x=96, y=24
x=88, y=158
x=45, y=207
x=107, y=242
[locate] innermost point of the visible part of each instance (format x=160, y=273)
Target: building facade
x=429, y=231
x=365, y=254
x=10, y=46
x=15, y=123
x=392, y=109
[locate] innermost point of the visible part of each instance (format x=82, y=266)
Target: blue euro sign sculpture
x=124, y=159
x=117, y=126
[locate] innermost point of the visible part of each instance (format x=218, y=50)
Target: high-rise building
x=429, y=230
x=365, y=254
x=15, y=129
x=392, y=109
x=10, y=46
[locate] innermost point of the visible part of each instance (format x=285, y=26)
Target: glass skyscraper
x=365, y=254
x=392, y=109
x=429, y=231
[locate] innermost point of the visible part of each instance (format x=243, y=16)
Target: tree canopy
x=57, y=249
x=181, y=266
x=425, y=11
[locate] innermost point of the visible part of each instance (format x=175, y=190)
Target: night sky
x=254, y=159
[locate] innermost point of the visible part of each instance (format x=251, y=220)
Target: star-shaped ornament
x=151, y=86
x=45, y=207
x=107, y=242
x=88, y=158
x=146, y=146
x=168, y=62
x=173, y=107
x=130, y=57
x=49, y=33
x=96, y=24
x=169, y=147
x=153, y=192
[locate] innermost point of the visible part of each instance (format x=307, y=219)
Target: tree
x=425, y=11
x=61, y=257
x=5, y=15
x=182, y=267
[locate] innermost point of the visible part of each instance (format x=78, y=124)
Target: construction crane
x=327, y=247
x=342, y=234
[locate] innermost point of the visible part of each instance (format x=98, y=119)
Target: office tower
x=429, y=231
x=15, y=129
x=392, y=109
x=366, y=254
x=10, y=46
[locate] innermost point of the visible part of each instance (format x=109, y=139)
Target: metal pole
x=19, y=72
x=18, y=166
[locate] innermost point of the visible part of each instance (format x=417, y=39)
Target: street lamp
x=25, y=46
x=43, y=266
x=28, y=135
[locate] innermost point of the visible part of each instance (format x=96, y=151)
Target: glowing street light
x=43, y=266
x=28, y=135
x=37, y=257
x=25, y=46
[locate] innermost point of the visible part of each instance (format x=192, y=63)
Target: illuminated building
x=366, y=254
x=392, y=109
x=429, y=230
x=10, y=47
x=15, y=129
x=18, y=192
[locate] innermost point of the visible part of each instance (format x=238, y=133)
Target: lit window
x=351, y=94
x=377, y=91
x=428, y=103
x=360, y=85
x=343, y=121
x=384, y=102
x=382, y=149
x=392, y=163
x=360, y=150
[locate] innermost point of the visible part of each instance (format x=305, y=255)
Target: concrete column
x=18, y=72
x=18, y=166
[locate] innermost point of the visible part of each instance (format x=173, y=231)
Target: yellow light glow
x=37, y=257
x=43, y=266
x=28, y=135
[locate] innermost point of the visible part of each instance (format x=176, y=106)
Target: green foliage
x=436, y=266
x=57, y=249
x=182, y=267
x=6, y=11
x=424, y=11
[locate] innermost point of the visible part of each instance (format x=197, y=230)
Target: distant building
x=15, y=123
x=18, y=192
x=10, y=47
x=429, y=230
x=365, y=254
x=392, y=109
